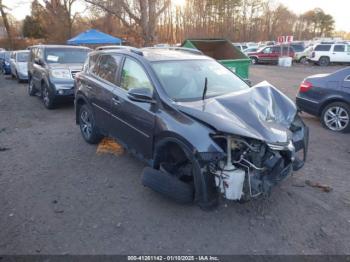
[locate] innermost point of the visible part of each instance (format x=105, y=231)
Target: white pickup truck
x=324, y=54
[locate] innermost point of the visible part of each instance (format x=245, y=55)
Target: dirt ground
x=57, y=196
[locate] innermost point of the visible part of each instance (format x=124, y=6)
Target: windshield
x=185, y=80
x=298, y=48
x=66, y=55
x=22, y=57
x=252, y=49
x=5, y=55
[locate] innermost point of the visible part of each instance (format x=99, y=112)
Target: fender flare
x=79, y=97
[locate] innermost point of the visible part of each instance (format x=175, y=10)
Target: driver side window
x=134, y=76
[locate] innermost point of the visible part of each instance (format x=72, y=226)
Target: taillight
x=305, y=86
x=313, y=54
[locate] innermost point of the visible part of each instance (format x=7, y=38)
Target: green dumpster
x=223, y=51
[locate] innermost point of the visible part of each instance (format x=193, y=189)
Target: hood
x=261, y=112
x=72, y=67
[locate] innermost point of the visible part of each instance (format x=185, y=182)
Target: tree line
x=146, y=22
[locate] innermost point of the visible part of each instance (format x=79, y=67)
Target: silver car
x=19, y=65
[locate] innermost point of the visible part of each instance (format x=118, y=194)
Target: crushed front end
x=251, y=167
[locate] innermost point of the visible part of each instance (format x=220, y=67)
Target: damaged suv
x=202, y=130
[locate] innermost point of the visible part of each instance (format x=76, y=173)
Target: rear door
x=100, y=87
x=276, y=53
x=339, y=53
x=133, y=121
x=265, y=54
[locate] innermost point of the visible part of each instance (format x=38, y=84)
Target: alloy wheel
x=86, y=124
x=303, y=60
x=46, y=96
x=336, y=118
x=30, y=86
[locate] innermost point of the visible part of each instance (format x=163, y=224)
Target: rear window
x=323, y=48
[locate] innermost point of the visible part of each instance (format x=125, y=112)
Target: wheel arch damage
x=203, y=182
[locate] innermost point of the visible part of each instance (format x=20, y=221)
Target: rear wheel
x=324, y=61
x=336, y=117
x=87, y=125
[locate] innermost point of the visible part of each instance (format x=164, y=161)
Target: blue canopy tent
x=94, y=37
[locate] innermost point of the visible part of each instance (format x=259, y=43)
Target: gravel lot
x=57, y=196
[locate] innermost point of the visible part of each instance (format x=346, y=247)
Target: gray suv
x=51, y=71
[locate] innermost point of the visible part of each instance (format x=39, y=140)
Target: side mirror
x=142, y=94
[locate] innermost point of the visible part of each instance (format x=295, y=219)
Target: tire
x=336, y=117
x=324, y=61
x=254, y=60
x=168, y=185
x=31, y=89
x=47, y=97
x=303, y=60
x=87, y=125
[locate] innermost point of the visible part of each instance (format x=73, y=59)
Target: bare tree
x=135, y=14
x=6, y=24
x=62, y=10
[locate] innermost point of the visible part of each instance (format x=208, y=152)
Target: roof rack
x=134, y=50
x=185, y=49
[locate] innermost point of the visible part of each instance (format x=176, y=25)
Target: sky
x=339, y=9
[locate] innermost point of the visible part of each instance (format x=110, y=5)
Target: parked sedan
x=19, y=65
x=5, y=67
x=202, y=129
x=327, y=96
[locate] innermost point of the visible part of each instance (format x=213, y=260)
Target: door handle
x=116, y=100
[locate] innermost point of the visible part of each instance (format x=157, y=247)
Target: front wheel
x=303, y=60
x=254, y=60
x=336, y=117
x=48, y=98
x=31, y=89
x=87, y=125
x=323, y=61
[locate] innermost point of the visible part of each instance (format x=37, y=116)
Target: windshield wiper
x=205, y=88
